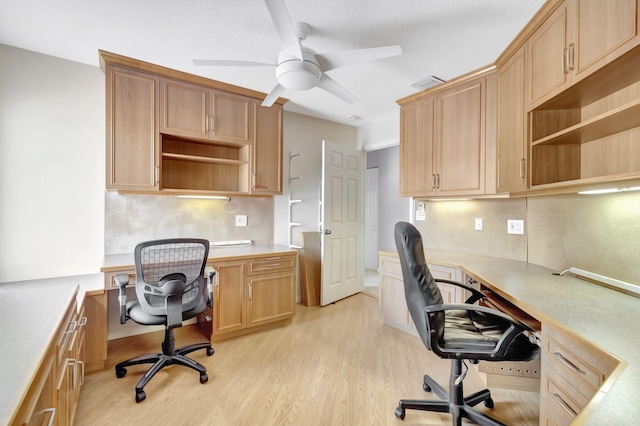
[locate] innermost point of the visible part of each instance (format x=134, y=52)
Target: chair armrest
x=212, y=281
x=475, y=294
x=122, y=280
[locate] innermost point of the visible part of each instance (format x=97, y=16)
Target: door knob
x=327, y=231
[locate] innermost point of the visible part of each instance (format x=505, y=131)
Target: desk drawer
x=271, y=264
x=110, y=281
x=560, y=395
x=576, y=360
x=390, y=264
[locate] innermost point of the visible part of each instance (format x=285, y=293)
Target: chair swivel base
x=159, y=361
x=451, y=402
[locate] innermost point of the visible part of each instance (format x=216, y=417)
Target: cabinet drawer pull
x=563, y=404
x=52, y=417
x=72, y=327
x=570, y=59
x=569, y=364
x=81, y=363
x=83, y=322
x=271, y=265
x=272, y=258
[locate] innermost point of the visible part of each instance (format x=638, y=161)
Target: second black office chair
x=170, y=288
x=458, y=332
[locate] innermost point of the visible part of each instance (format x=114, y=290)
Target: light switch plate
x=241, y=220
x=515, y=226
x=478, y=224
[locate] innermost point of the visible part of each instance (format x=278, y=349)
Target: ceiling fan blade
x=273, y=96
x=284, y=27
x=331, y=86
x=230, y=63
x=329, y=61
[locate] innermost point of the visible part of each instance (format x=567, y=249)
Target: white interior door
x=371, y=219
x=342, y=225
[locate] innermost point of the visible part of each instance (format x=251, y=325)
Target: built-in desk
x=607, y=319
x=31, y=313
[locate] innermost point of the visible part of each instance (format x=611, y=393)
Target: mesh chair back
x=158, y=259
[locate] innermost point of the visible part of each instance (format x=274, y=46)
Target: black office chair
x=170, y=288
x=458, y=332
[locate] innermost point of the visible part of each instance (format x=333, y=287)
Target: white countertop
x=30, y=312
x=607, y=318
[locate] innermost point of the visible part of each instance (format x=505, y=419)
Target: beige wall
x=598, y=233
x=304, y=135
x=51, y=166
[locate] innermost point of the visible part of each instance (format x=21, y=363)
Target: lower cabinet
x=392, y=301
x=253, y=292
x=573, y=371
x=55, y=389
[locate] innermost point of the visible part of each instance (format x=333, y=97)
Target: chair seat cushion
x=478, y=332
x=137, y=314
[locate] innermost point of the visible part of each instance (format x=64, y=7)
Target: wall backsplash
x=449, y=226
x=598, y=233
x=130, y=219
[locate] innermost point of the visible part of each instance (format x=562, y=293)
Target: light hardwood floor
x=336, y=365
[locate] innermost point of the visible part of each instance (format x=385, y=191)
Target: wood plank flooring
x=336, y=365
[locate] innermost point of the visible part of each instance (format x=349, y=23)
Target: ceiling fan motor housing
x=295, y=74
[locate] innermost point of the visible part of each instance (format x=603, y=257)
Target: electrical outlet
x=478, y=224
x=241, y=220
x=515, y=226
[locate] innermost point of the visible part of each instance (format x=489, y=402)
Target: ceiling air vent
x=427, y=82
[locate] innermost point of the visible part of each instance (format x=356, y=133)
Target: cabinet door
x=512, y=152
x=266, y=155
x=230, y=118
x=417, y=136
x=271, y=297
x=184, y=110
x=461, y=141
x=132, y=136
x=394, y=303
x=547, y=69
x=450, y=293
x=604, y=30
x=229, y=309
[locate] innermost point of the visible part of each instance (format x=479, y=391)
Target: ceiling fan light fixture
x=294, y=74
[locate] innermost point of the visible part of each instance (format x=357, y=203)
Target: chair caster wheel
x=204, y=378
x=210, y=351
x=488, y=403
x=140, y=396
x=400, y=413
x=426, y=387
x=120, y=372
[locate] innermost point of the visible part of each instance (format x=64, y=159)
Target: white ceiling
x=445, y=38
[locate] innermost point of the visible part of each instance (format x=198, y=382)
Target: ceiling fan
x=300, y=68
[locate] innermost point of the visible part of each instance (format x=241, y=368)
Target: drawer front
x=560, y=395
x=270, y=264
x=551, y=414
x=111, y=280
x=390, y=264
x=581, y=363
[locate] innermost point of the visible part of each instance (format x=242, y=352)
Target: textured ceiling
x=444, y=38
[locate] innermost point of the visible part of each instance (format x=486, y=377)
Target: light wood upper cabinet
x=132, y=134
x=266, y=158
x=417, y=147
x=577, y=39
x=461, y=141
x=512, y=143
x=443, y=139
x=193, y=111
